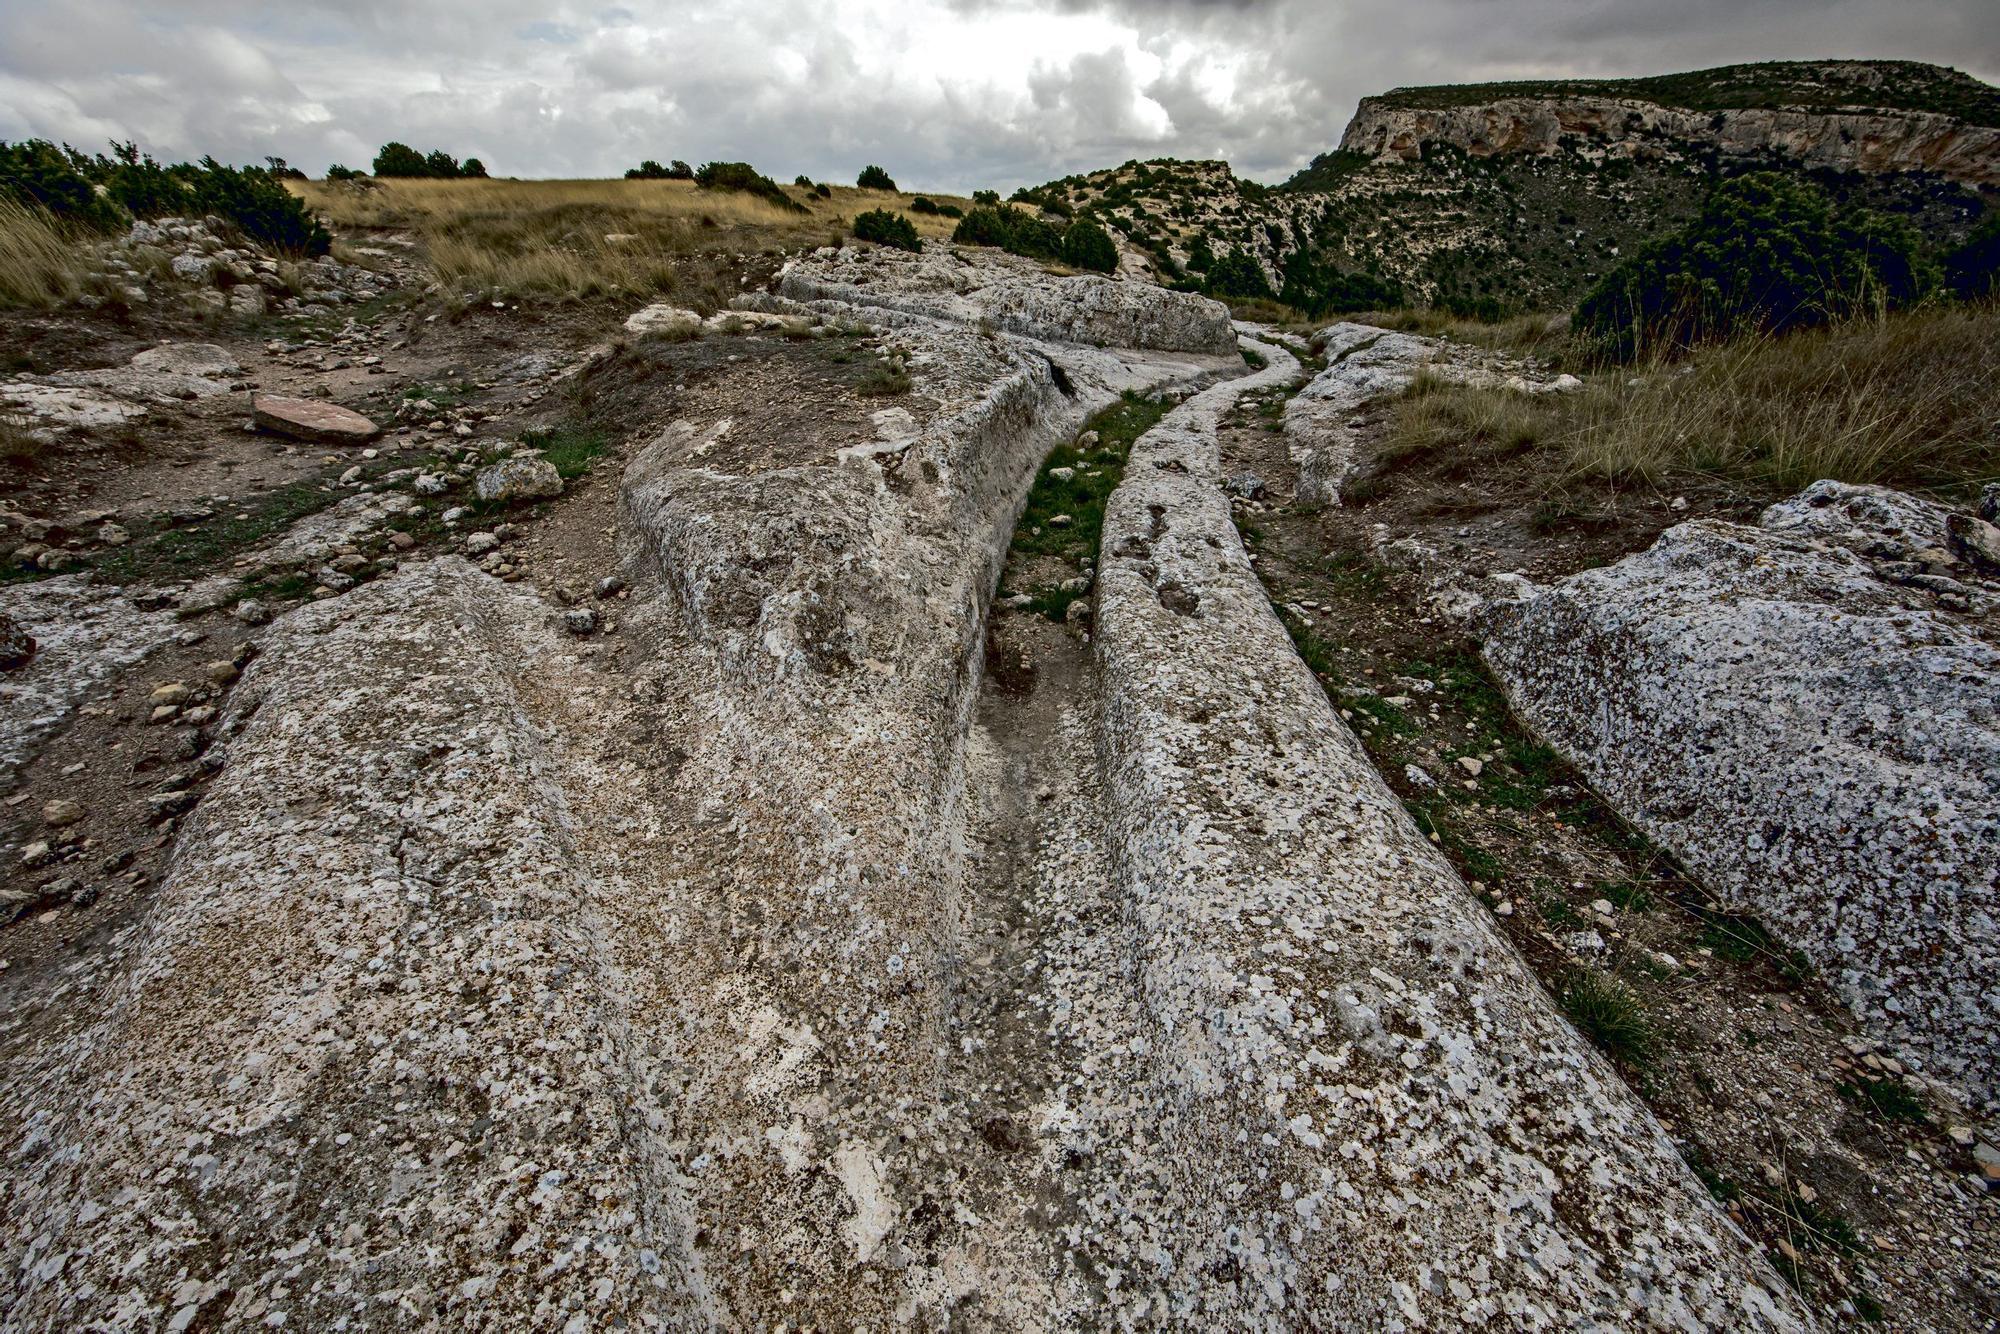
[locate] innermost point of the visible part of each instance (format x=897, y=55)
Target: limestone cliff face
x=1867, y=141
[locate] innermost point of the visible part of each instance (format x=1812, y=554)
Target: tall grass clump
x=1902, y=399
x=39, y=264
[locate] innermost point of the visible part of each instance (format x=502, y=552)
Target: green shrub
x=1238, y=274
x=37, y=174
x=983, y=226
x=260, y=207
x=925, y=205
x=649, y=170
x=885, y=228
x=1972, y=270
x=991, y=198
x=1029, y=235
x=1088, y=246
x=65, y=183
x=336, y=172
x=874, y=178
x=803, y=181
x=742, y=176
x=1765, y=253
x=1201, y=258
x=397, y=159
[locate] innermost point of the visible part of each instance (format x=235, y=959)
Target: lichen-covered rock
x=982, y=287
x=661, y=320
x=1802, y=724
x=523, y=478
x=82, y=636
x=1339, y=1041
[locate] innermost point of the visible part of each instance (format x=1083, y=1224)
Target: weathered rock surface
x=663, y=321
x=1327, y=1010
x=1790, y=712
x=85, y=636
x=503, y=980
x=312, y=419
x=977, y=286
x=521, y=478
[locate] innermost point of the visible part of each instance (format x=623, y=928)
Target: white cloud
x=956, y=94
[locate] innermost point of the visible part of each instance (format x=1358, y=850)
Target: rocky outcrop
x=1365, y=365
x=84, y=636
x=1807, y=714
x=983, y=287
x=1865, y=141
x=1339, y=1039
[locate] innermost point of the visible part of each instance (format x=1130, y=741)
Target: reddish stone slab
x=312, y=419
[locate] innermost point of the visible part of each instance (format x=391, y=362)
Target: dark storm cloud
x=958, y=94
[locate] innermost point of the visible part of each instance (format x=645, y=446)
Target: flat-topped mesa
x=1874, y=117
x=986, y=288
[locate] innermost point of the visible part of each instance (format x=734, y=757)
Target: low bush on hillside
x=885, y=228
x=1765, y=254
x=103, y=193
x=650, y=170
x=874, y=178
x=746, y=178
x=1316, y=288
x=1972, y=270
x=1237, y=274
x=401, y=160
x=336, y=172
x=931, y=208
x=1085, y=245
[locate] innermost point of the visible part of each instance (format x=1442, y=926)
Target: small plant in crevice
x=887, y=378
x=1891, y=1099
x=1610, y=1014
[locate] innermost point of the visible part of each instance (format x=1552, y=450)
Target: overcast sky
x=952, y=95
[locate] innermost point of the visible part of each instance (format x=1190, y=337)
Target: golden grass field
x=1906, y=399
x=584, y=238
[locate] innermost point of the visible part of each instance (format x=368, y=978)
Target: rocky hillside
x=1866, y=116
x=1487, y=198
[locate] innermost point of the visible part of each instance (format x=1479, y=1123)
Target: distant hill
x=1490, y=198
x=1807, y=85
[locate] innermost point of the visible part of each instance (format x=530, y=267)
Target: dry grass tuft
x=1905, y=400
x=40, y=265
x=669, y=239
